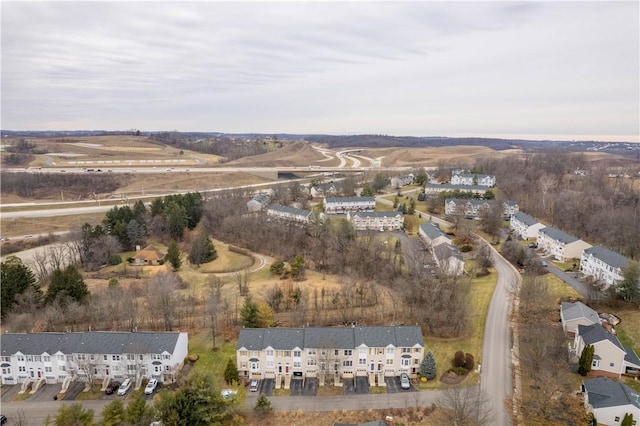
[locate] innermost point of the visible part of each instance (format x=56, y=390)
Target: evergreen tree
x=174, y=256
x=628, y=288
x=113, y=413
x=263, y=405
x=249, y=313
x=428, y=366
x=202, y=249
x=231, y=372
x=298, y=268
x=412, y=207
x=72, y=415
x=15, y=277
x=265, y=315
x=138, y=412
x=67, y=281
x=627, y=420
x=586, y=358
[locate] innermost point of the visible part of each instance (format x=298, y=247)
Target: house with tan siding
x=610, y=400
x=573, y=314
x=610, y=358
x=524, y=226
x=561, y=246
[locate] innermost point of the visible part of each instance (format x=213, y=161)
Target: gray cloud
x=420, y=68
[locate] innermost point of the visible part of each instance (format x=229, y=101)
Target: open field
x=18, y=228
x=428, y=156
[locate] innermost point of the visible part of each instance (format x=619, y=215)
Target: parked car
x=253, y=387
x=151, y=387
x=404, y=381
x=3, y=419
x=124, y=387
x=112, y=387
x=544, y=263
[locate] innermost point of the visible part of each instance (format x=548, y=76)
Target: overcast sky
x=567, y=70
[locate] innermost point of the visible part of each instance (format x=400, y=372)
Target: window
x=243, y=353
x=416, y=361
x=336, y=352
x=166, y=356
x=29, y=358
x=311, y=362
x=104, y=357
x=362, y=361
x=141, y=357
x=22, y=369
x=287, y=353
x=81, y=357
x=611, y=364
x=131, y=357
x=348, y=352
x=6, y=359
x=347, y=363
x=406, y=362
x=254, y=354
x=21, y=358
x=244, y=365
x=115, y=357
x=60, y=357
x=157, y=369
x=406, y=350
x=47, y=358
x=617, y=419
x=311, y=352
x=297, y=354
x=269, y=352
x=253, y=365
x=390, y=351
x=389, y=361
x=62, y=368
x=167, y=368
x=131, y=367
x=280, y=354
x=6, y=371
x=297, y=364
x=416, y=350
x=156, y=357
x=48, y=370
x=595, y=363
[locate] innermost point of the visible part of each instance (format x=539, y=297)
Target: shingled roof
x=576, y=310
x=596, y=333
x=329, y=337
x=604, y=392
x=611, y=258
x=558, y=235
x=524, y=218
x=96, y=342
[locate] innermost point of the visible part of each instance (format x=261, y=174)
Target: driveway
x=295, y=387
x=358, y=386
x=393, y=385
x=310, y=387
x=267, y=386
x=9, y=392
x=73, y=391
x=46, y=392
x=580, y=286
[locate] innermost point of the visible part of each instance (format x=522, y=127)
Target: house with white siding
x=100, y=355
x=432, y=235
x=561, y=246
x=603, y=265
x=292, y=214
x=376, y=221
x=524, y=226
x=474, y=209
x=337, y=353
x=258, y=202
x=610, y=401
x=610, y=358
x=473, y=179
x=448, y=259
x=342, y=205
x=573, y=314
x=436, y=188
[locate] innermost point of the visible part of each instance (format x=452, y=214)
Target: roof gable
x=577, y=310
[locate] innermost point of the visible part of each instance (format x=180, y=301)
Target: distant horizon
x=527, y=137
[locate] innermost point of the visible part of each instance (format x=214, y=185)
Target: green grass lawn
x=210, y=361
x=628, y=330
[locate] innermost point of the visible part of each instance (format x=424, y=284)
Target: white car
x=151, y=387
x=404, y=381
x=253, y=387
x=124, y=387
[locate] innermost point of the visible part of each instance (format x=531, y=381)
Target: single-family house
x=377, y=221
x=603, y=265
x=473, y=179
x=342, y=205
x=560, y=245
x=610, y=401
x=436, y=188
x=400, y=181
x=287, y=213
x=432, y=235
x=148, y=256
x=610, y=357
x=329, y=352
x=98, y=355
x=258, y=202
x=448, y=259
x=524, y=226
x=573, y=314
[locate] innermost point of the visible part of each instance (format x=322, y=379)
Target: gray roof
x=350, y=199
x=465, y=201
x=611, y=258
x=510, y=202
x=470, y=175
x=596, y=333
x=604, y=392
x=376, y=214
x=96, y=342
x=524, y=218
x=432, y=230
x=444, y=251
x=558, y=235
x=262, y=197
x=631, y=356
x=291, y=210
x=576, y=310
x=450, y=187
x=329, y=337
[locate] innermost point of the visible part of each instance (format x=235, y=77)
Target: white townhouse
x=436, y=188
x=323, y=352
x=432, y=235
x=474, y=209
x=341, y=205
x=473, y=179
x=101, y=355
x=573, y=314
x=377, y=221
x=603, y=265
x=610, y=358
x=448, y=259
x=524, y=226
x=560, y=245
x=610, y=400
x=293, y=214
x=258, y=202
x=400, y=181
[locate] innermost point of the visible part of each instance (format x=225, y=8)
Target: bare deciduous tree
x=465, y=406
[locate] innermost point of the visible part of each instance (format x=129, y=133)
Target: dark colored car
x=113, y=386
x=3, y=419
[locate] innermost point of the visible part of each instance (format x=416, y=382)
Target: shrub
x=460, y=371
x=466, y=248
x=469, y=362
x=458, y=359
x=115, y=260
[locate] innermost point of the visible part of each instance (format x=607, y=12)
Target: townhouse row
x=475, y=209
